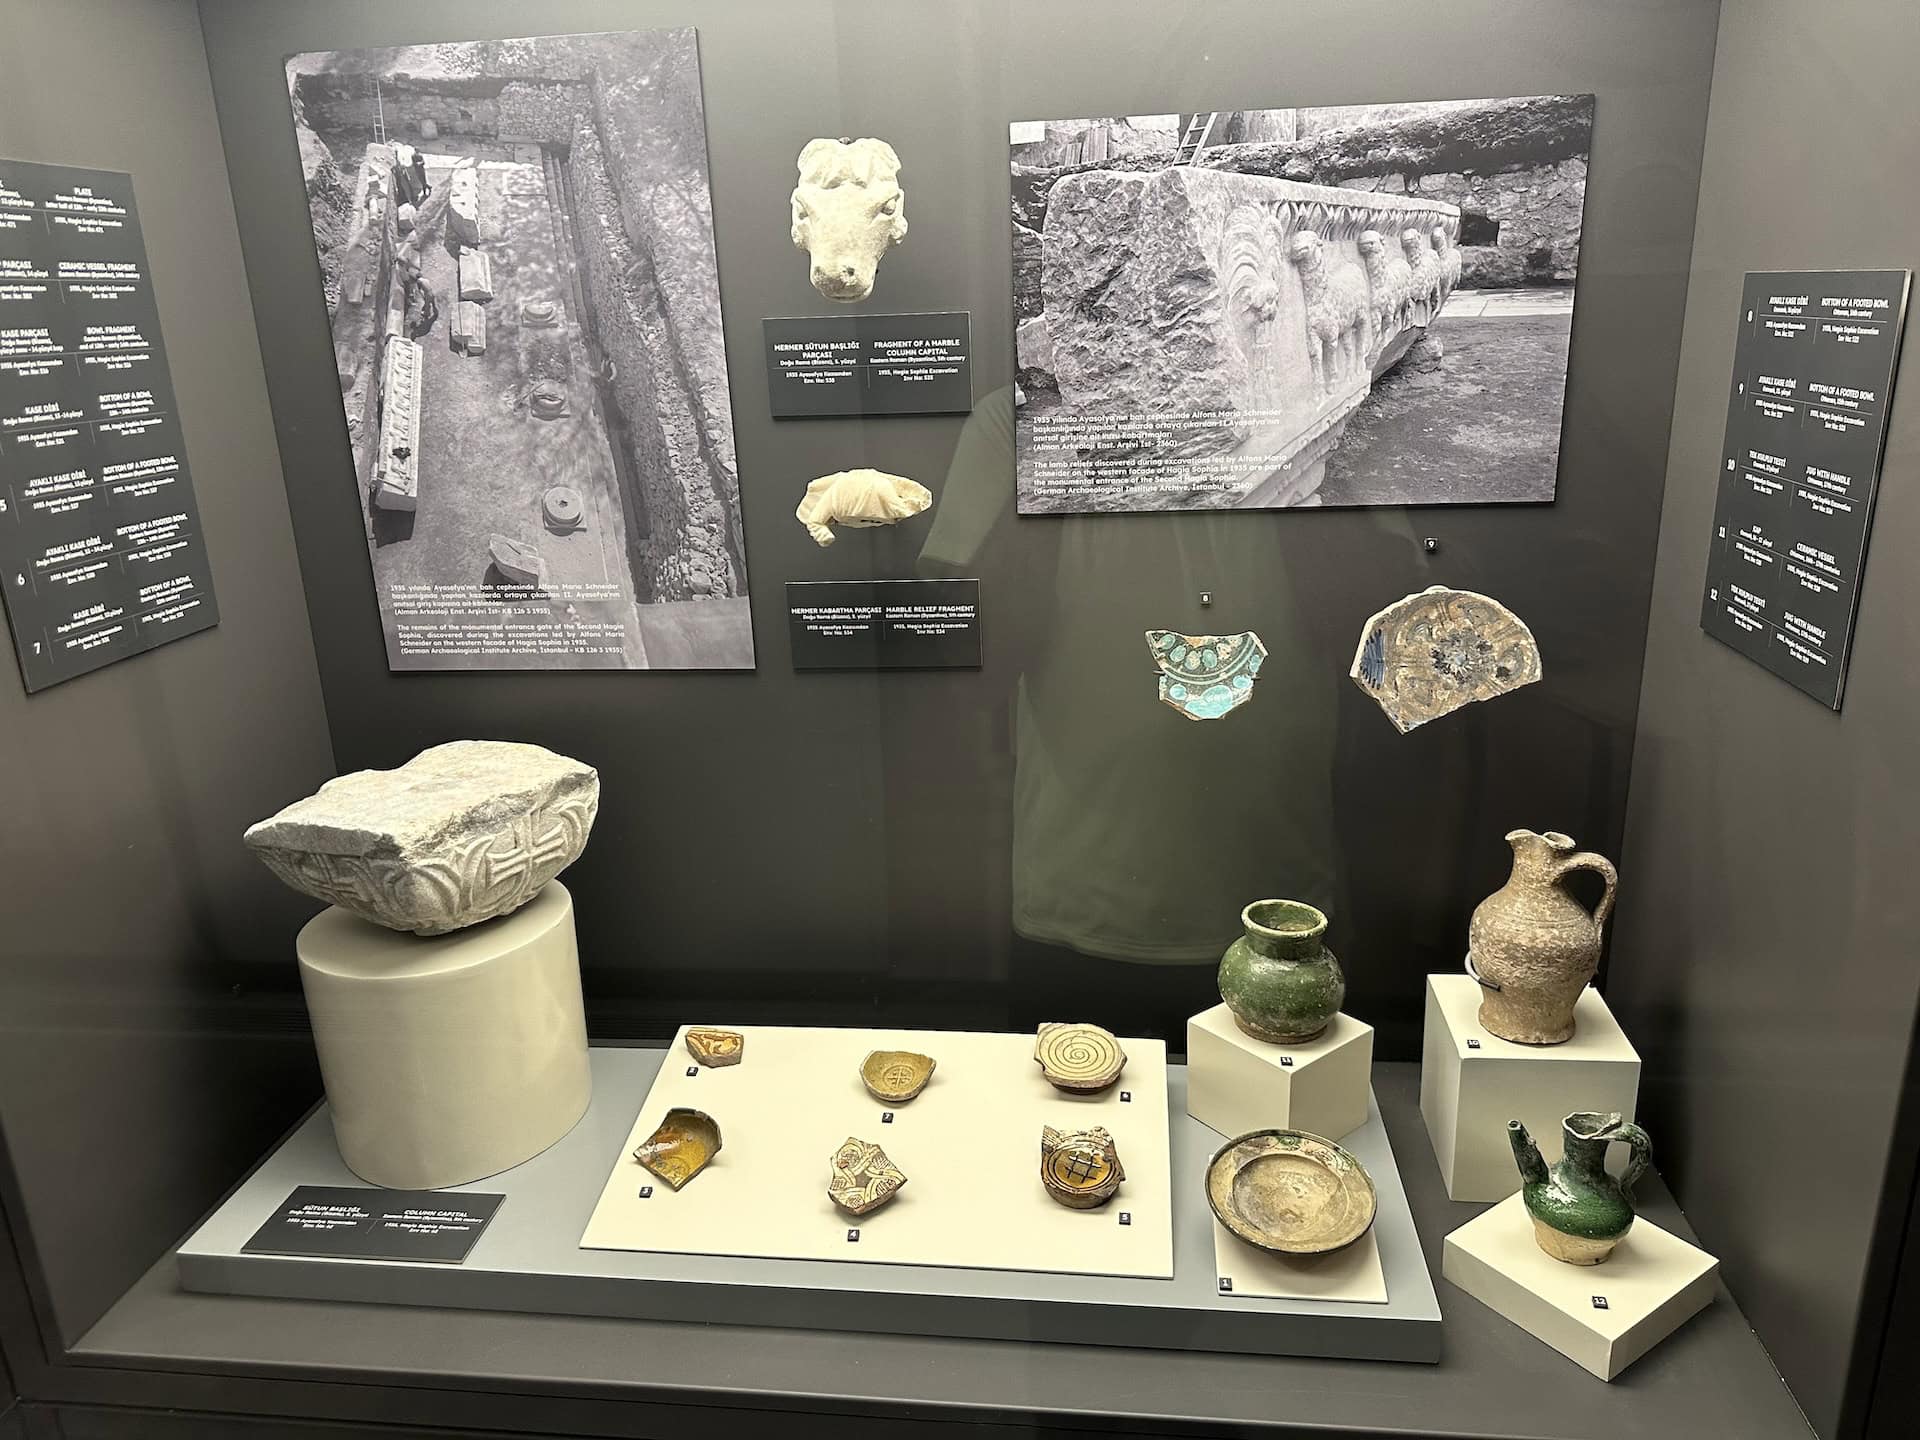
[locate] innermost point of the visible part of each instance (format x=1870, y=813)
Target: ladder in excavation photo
x=1194, y=138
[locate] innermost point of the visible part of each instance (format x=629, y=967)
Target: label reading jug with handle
x=1532, y=946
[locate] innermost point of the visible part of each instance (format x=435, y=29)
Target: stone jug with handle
x=1533, y=947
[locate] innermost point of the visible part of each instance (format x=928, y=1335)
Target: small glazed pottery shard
x=1428, y=654
x=895, y=1076
x=1080, y=1168
x=717, y=1049
x=1080, y=1059
x=859, y=499
x=863, y=1178
x=1290, y=1192
x=1205, y=676
x=681, y=1147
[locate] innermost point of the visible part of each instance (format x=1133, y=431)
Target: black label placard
x=1806, y=424
x=884, y=624
x=869, y=365
x=101, y=555
x=361, y=1223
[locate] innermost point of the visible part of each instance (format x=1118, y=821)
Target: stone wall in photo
x=684, y=550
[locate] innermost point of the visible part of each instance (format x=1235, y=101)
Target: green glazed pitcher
x=1279, y=979
x=1579, y=1211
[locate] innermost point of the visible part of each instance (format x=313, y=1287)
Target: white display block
x=448, y=1058
x=1602, y=1317
x=1236, y=1083
x=1353, y=1276
x=969, y=1145
x=1472, y=1083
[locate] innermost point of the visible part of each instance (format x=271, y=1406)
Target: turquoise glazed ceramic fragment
x=1205, y=676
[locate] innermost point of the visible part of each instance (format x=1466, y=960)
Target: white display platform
x=1602, y=1317
x=1472, y=1083
x=969, y=1145
x=1236, y=1083
x=529, y=1257
x=1353, y=1275
x=448, y=1058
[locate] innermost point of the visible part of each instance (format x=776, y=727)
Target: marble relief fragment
x=859, y=499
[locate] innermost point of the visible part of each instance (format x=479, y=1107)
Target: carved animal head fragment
x=1414, y=243
x=1371, y=242
x=1304, y=250
x=847, y=209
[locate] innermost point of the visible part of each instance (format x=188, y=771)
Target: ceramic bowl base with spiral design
x=1080, y=1059
x=1279, y=979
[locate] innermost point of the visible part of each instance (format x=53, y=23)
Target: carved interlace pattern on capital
x=488, y=876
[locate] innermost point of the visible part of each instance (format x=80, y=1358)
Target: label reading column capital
x=1807, y=409
x=869, y=365
x=352, y=1222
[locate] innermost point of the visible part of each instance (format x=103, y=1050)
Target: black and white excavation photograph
x=516, y=243
x=1336, y=305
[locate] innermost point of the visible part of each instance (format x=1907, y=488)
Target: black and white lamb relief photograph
x=1335, y=305
x=515, y=239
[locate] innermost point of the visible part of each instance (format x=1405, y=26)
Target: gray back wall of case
x=148, y=1008
x=825, y=845
x=1765, y=958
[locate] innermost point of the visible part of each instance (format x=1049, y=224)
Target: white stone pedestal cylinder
x=451, y=1057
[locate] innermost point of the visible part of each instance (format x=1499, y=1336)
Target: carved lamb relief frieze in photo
x=847, y=209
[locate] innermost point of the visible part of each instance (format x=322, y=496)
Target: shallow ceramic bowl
x=1290, y=1192
x=895, y=1076
x=681, y=1147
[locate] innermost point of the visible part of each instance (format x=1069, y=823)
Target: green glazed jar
x=1279, y=979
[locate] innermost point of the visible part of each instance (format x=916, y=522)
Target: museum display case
x=1243, y=780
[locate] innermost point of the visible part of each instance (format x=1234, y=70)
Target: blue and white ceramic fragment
x=1428, y=654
